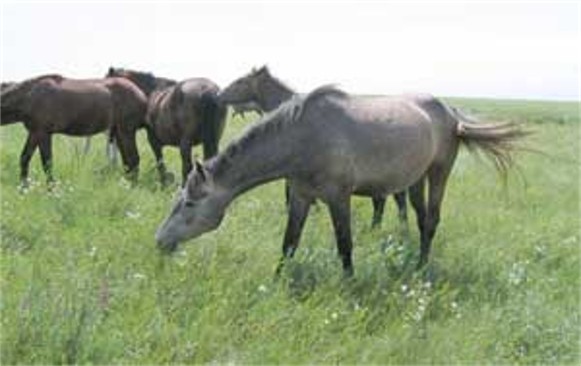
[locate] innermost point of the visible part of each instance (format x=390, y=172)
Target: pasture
x=83, y=282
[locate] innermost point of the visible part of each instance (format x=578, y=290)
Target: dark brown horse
x=261, y=89
x=329, y=146
x=182, y=114
x=54, y=104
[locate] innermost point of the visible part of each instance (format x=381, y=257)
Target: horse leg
x=437, y=178
x=210, y=147
x=186, y=153
x=340, y=210
x=129, y=153
x=45, y=146
x=378, y=207
x=25, y=156
x=157, y=149
x=418, y=201
x=298, y=210
x=400, y=200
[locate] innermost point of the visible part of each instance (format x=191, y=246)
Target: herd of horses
x=327, y=145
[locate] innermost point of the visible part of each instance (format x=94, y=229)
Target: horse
x=182, y=114
x=329, y=145
x=52, y=103
x=267, y=92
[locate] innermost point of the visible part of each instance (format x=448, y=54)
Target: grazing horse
x=54, y=104
x=328, y=146
x=181, y=114
x=262, y=89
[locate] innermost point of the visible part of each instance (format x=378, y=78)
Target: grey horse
x=328, y=146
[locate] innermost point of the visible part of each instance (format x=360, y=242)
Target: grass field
x=82, y=280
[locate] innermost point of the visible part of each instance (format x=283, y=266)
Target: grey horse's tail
x=498, y=141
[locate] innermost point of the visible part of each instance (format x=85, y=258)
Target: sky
x=496, y=49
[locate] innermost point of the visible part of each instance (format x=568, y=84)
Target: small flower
x=92, y=251
x=134, y=215
x=262, y=289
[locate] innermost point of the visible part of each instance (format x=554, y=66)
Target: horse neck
x=254, y=160
x=273, y=93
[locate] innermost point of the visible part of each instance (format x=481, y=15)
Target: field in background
x=82, y=281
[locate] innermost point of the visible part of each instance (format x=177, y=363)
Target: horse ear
x=111, y=71
x=263, y=69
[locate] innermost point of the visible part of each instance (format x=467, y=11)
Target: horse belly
x=84, y=129
x=393, y=162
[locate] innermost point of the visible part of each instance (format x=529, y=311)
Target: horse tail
x=498, y=141
x=213, y=119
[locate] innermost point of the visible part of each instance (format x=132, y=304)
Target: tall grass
x=82, y=281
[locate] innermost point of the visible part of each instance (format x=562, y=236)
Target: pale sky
x=497, y=49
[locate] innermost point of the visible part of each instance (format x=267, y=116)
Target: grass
x=82, y=281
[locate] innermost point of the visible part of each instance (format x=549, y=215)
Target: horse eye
x=189, y=203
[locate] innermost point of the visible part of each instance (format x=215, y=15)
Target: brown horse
x=329, y=146
x=182, y=114
x=54, y=104
x=263, y=90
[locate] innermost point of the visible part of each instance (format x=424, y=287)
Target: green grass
x=82, y=281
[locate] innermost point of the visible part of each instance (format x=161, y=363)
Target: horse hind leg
x=25, y=156
x=157, y=148
x=45, y=146
x=417, y=199
x=129, y=153
x=437, y=178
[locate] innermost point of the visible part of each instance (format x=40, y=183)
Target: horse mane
x=274, y=123
x=18, y=89
x=145, y=79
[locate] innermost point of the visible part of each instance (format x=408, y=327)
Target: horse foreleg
x=45, y=146
x=25, y=156
x=298, y=210
x=340, y=210
x=186, y=154
x=378, y=207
